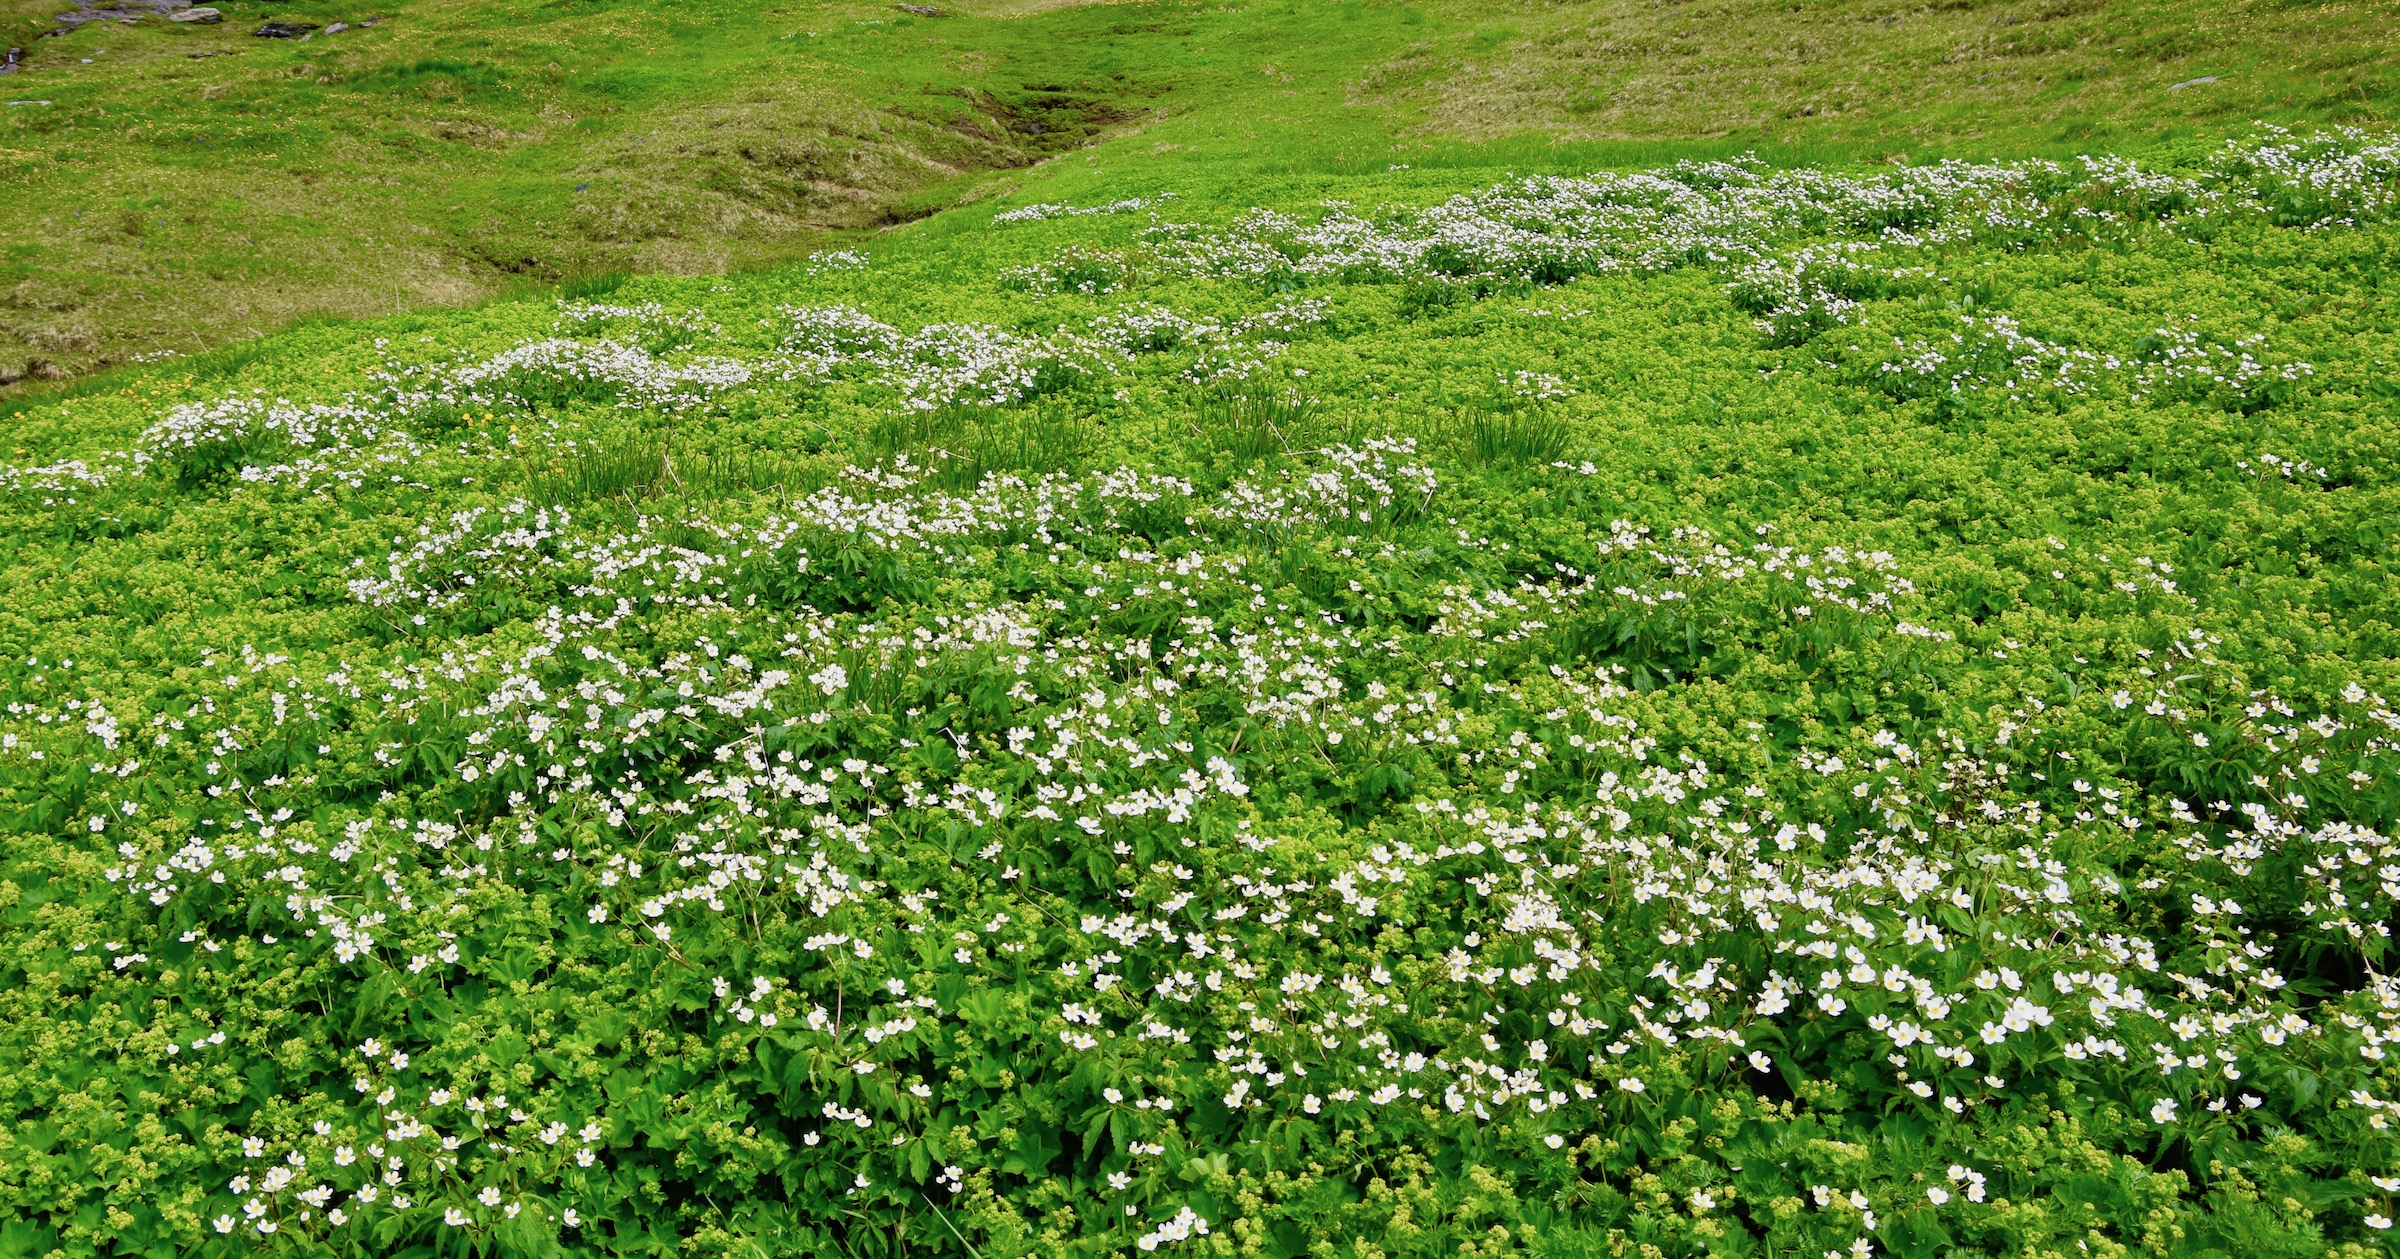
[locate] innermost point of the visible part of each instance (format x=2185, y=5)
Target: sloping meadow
x=1716, y=710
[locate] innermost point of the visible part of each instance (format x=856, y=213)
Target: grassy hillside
x=176, y=187
x=1282, y=684
x=179, y=187
x=1986, y=76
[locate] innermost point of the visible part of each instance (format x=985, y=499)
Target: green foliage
x=884, y=757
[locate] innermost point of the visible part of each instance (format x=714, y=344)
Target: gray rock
x=337, y=28
x=921, y=10
x=2203, y=79
x=203, y=16
x=88, y=11
x=285, y=30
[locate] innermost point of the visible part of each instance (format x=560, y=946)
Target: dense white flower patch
x=942, y=365
x=1051, y=209
x=1745, y=219
x=1991, y=352
x=862, y=773
x=1738, y=214
x=655, y=327
x=1954, y=915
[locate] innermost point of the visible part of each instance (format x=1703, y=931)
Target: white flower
x=224, y=1223
x=490, y=1196
x=2162, y=1111
x=1936, y=1195
x=1632, y=1085
x=571, y=1218
x=454, y=1217
x=1554, y=1140
x=2379, y=1221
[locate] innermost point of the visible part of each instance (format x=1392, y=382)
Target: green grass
x=194, y=185
x=1876, y=77
x=462, y=150
x=1049, y=730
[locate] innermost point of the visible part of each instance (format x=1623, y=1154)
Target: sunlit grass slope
x=177, y=187
x=1896, y=76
